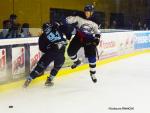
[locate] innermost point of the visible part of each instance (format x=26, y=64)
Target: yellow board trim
x=66, y=71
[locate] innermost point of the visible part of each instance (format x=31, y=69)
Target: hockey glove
x=96, y=39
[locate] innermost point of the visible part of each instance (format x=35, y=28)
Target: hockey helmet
x=46, y=26
x=89, y=7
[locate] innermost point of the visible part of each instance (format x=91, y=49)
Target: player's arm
x=43, y=42
x=97, y=35
x=72, y=19
x=68, y=24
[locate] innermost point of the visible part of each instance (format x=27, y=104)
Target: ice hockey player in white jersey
x=87, y=36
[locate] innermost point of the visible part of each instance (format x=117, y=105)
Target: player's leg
x=58, y=63
x=90, y=53
x=40, y=67
x=72, y=50
x=92, y=65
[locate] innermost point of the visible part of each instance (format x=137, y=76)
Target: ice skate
x=94, y=79
x=27, y=82
x=77, y=63
x=49, y=82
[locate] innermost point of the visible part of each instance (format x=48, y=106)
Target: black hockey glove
x=56, y=46
x=96, y=40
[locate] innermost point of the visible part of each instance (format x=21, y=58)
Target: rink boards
x=19, y=56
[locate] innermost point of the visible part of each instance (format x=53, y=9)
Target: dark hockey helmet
x=56, y=25
x=46, y=26
x=89, y=7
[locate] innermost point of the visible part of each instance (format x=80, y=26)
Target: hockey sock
x=37, y=71
x=74, y=58
x=92, y=65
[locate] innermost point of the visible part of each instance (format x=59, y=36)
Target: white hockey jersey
x=86, y=26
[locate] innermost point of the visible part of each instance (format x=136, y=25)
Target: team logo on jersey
x=86, y=28
x=52, y=37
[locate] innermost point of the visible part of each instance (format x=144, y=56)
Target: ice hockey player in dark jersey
x=52, y=44
x=87, y=36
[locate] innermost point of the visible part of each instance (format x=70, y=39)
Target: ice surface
x=124, y=83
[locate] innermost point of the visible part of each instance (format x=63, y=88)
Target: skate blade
x=26, y=84
x=49, y=85
x=94, y=80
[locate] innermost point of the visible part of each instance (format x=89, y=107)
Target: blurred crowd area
x=139, y=25
x=24, y=18
x=13, y=29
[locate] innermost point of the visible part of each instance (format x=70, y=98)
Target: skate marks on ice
x=124, y=83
